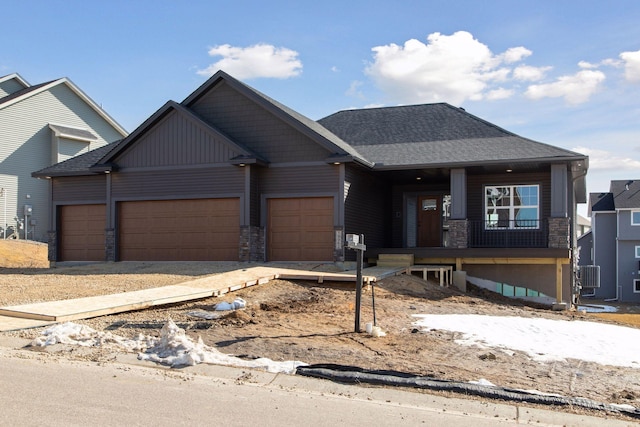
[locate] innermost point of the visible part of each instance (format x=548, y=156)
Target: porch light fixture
x=509, y=170
x=418, y=178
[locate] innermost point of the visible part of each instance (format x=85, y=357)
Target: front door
x=429, y=221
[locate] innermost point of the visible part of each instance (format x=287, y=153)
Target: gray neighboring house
x=231, y=174
x=41, y=125
x=613, y=243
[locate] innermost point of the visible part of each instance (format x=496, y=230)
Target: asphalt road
x=41, y=389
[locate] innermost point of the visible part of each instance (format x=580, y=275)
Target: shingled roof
x=434, y=135
x=79, y=165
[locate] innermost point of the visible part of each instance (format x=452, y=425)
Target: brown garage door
x=81, y=231
x=300, y=229
x=179, y=230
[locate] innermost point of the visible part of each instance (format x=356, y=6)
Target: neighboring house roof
x=15, y=76
x=600, y=202
x=626, y=193
x=623, y=194
x=36, y=89
x=433, y=135
x=582, y=221
x=79, y=165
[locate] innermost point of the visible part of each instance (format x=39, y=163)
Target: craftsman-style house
x=613, y=244
x=230, y=174
x=41, y=125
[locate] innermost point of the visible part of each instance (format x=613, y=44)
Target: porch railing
x=508, y=234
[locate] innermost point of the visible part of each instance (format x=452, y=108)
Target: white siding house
x=41, y=125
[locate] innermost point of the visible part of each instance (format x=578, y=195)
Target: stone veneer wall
x=52, y=253
x=559, y=232
x=110, y=244
x=458, y=233
x=251, y=244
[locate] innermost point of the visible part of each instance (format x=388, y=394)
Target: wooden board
x=16, y=323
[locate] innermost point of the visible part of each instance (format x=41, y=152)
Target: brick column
x=458, y=233
x=559, y=233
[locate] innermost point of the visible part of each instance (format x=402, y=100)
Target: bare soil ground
x=288, y=320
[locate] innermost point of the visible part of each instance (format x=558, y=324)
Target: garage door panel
x=300, y=229
x=180, y=230
x=81, y=232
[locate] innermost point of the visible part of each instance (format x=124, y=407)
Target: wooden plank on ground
x=84, y=308
x=16, y=323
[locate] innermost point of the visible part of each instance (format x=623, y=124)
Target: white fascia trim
x=60, y=134
x=17, y=77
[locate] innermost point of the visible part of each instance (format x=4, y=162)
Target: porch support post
x=559, y=199
x=558, y=280
x=458, y=179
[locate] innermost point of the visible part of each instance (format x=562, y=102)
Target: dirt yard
x=315, y=324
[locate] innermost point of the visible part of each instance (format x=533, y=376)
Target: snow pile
x=543, y=339
x=174, y=348
x=75, y=334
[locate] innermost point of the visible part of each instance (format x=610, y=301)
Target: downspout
x=574, y=239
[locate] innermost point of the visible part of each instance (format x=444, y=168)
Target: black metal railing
x=508, y=234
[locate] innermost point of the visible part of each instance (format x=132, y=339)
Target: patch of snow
x=174, y=348
x=597, y=308
x=542, y=339
x=484, y=382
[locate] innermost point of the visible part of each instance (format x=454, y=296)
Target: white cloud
x=631, y=66
x=516, y=54
x=529, y=73
x=575, y=89
x=500, y=93
x=260, y=60
x=447, y=68
x=354, y=89
x=602, y=160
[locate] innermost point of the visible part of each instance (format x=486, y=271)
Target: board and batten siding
x=256, y=128
x=26, y=146
x=177, y=140
x=366, y=207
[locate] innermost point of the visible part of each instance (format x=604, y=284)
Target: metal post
x=358, y=288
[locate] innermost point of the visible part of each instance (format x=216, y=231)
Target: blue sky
x=564, y=72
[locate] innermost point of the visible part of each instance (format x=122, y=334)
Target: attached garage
x=179, y=230
x=81, y=230
x=300, y=229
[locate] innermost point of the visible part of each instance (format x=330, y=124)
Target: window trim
x=637, y=251
x=636, y=288
x=632, y=221
x=511, y=208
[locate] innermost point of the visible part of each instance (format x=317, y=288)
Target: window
x=512, y=206
x=637, y=251
x=636, y=286
x=635, y=217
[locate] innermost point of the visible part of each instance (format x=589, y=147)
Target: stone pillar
x=458, y=233
x=251, y=244
x=338, y=244
x=52, y=254
x=559, y=233
x=110, y=244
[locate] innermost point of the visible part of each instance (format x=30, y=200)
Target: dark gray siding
x=366, y=206
x=256, y=173
x=585, y=243
x=177, y=140
x=604, y=252
x=300, y=180
x=256, y=128
x=175, y=184
x=625, y=229
x=79, y=189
